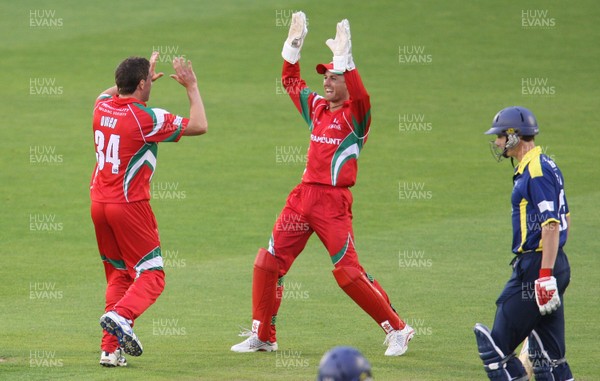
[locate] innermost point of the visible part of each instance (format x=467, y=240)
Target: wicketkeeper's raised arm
x=184, y=74
x=290, y=76
x=341, y=47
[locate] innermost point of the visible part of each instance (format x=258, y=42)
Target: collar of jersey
x=125, y=101
x=536, y=151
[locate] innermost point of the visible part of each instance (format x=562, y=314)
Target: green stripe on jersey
x=149, y=111
x=361, y=127
x=349, y=148
x=304, y=95
x=174, y=135
x=145, y=156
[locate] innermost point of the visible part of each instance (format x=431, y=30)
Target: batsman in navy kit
x=531, y=304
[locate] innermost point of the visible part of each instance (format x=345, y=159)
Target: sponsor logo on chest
x=335, y=125
x=324, y=136
x=322, y=139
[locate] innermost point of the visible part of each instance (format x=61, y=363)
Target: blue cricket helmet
x=514, y=120
x=344, y=364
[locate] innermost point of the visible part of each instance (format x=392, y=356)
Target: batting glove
x=295, y=39
x=546, y=294
x=341, y=46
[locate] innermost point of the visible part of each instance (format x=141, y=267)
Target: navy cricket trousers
x=517, y=312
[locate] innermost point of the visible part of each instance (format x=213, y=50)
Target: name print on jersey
x=108, y=121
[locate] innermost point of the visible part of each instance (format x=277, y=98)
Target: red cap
x=322, y=68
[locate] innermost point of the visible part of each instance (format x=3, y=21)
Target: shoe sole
x=130, y=344
x=273, y=348
x=109, y=365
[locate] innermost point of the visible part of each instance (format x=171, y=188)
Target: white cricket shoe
x=253, y=344
x=111, y=359
x=115, y=324
x=397, y=341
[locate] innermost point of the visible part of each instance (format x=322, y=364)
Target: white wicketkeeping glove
x=341, y=47
x=293, y=44
x=546, y=295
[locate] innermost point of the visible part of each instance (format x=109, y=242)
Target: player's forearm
x=198, y=123
x=550, y=239
x=360, y=102
x=292, y=82
x=356, y=88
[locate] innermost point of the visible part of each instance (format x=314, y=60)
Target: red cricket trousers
x=326, y=211
x=129, y=245
x=322, y=209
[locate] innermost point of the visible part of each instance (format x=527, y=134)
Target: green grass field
x=437, y=72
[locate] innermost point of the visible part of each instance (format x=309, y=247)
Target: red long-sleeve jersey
x=337, y=137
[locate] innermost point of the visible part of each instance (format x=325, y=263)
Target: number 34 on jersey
x=107, y=153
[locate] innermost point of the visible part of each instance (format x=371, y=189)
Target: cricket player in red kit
x=322, y=203
x=126, y=137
